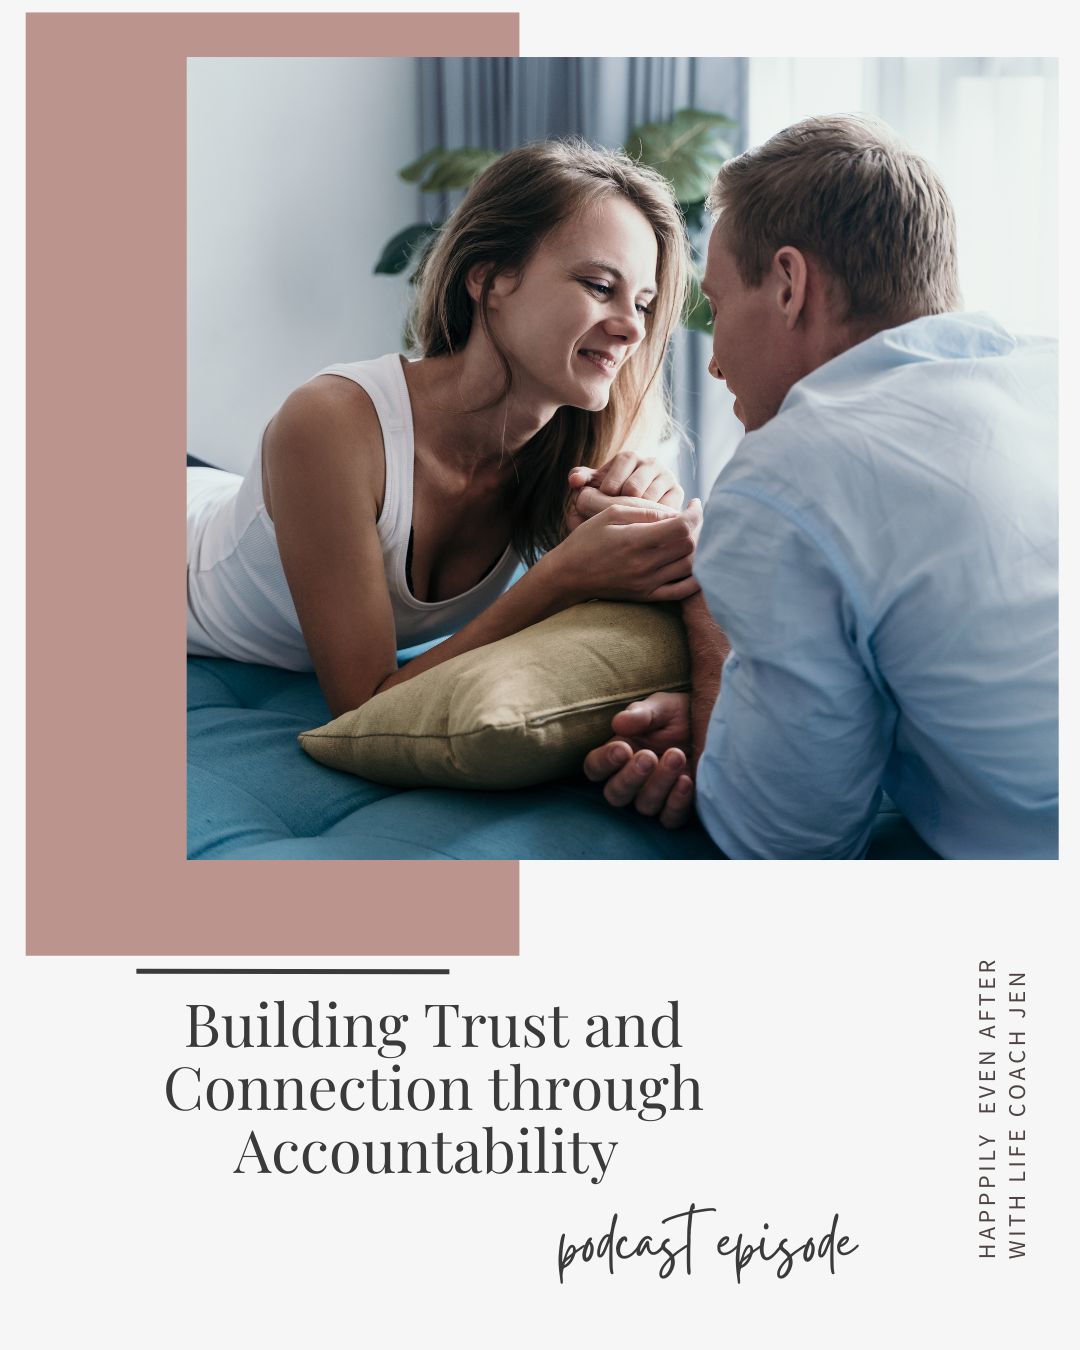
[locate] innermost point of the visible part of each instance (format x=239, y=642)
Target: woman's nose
x=628, y=325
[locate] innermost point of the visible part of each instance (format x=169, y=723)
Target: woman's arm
x=323, y=478
x=628, y=552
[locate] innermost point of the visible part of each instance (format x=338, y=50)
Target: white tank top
x=239, y=603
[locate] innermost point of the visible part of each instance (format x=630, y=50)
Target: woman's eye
x=602, y=289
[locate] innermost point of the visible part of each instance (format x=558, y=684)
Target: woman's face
x=577, y=313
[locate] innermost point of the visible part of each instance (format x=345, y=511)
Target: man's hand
x=645, y=762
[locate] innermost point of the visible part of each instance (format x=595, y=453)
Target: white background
x=836, y=1044
x=828, y=1011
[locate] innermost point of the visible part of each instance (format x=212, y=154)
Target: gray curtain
x=503, y=102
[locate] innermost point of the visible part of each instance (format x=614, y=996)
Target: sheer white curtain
x=989, y=127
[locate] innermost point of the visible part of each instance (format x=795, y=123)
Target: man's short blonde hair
x=847, y=191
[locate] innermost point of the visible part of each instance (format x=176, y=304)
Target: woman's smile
x=604, y=362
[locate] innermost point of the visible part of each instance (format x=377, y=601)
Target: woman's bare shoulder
x=329, y=424
x=325, y=411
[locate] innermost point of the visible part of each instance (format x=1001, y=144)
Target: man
x=881, y=551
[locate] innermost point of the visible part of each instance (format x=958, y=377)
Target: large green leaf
x=697, y=316
x=412, y=173
x=688, y=149
x=399, y=251
x=450, y=169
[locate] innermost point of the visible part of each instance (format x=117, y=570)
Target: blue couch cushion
x=253, y=793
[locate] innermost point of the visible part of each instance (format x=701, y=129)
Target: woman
x=392, y=501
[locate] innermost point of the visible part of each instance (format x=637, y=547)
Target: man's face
x=751, y=342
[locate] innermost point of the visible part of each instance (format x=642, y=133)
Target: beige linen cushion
x=522, y=710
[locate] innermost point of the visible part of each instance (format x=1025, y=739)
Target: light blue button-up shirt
x=883, y=558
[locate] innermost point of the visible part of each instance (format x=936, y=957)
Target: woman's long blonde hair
x=500, y=222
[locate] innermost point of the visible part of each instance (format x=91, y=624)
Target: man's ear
x=789, y=276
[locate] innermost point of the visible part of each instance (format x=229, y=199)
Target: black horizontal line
x=279, y=970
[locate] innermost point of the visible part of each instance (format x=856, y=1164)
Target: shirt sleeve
x=800, y=734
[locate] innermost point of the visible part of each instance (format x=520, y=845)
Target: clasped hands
x=626, y=479
x=645, y=763
x=621, y=546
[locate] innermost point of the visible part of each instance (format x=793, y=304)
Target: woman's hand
x=629, y=552
x=626, y=475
